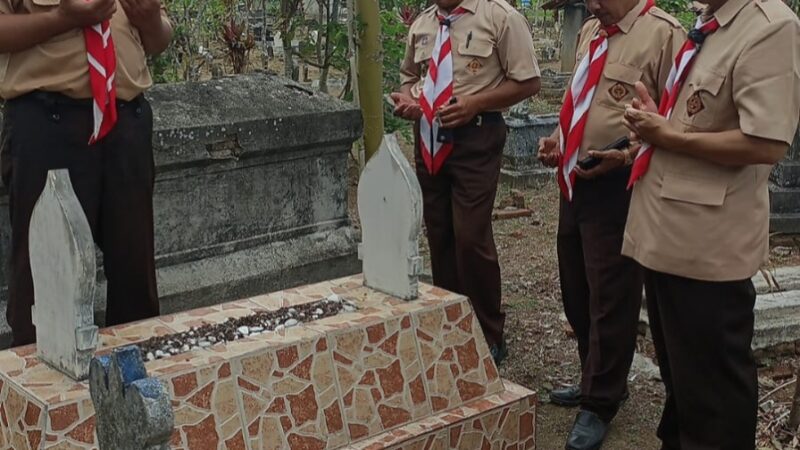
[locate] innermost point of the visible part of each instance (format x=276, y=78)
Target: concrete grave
x=63, y=268
x=521, y=168
x=384, y=373
x=134, y=412
x=250, y=193
x=784, y=192
x=390, y=207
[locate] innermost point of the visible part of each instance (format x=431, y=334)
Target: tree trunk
x=370, y=74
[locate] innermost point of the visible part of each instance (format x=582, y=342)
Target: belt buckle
x=479, y=120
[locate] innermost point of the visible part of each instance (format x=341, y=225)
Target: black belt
x=56, y=98
x=487, y=118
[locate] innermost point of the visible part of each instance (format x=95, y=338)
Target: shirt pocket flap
x=692, y=190
x=422, y=53
x=622, y=73
x=480, y=49
x=46, y=2
x=705, y=80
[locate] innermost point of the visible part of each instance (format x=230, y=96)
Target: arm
x=20, y=32
x=727, y=148
x=150, y=19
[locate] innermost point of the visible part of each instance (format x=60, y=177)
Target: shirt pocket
x=702, y=103
x=476, y=60
x=619, y=81
x=46, y=5
x=696, y=191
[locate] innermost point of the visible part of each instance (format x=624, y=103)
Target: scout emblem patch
x=474, y=66
x=695, y=104
x=618, y=91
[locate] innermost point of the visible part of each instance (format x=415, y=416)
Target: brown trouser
x=600, y=288
x=114, y=184
x=702, y=333
x=459, y=201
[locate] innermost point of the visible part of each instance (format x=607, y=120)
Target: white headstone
x=390, y=208
x=63, y=268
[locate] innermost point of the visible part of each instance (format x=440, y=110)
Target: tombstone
x=132, y=411
x=390, y=208
x=784, y=192
x=63, y=266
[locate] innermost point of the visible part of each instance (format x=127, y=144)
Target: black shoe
x=569, y=396
x=499, y=352
x=588, y=432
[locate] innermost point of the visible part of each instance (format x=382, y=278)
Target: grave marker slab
x=63, y=267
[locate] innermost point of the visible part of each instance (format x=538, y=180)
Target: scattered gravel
x=233, y=329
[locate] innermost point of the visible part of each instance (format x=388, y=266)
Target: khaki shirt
x=642, y=51
x=701, y=220
x=500, y=47
x=60, y=65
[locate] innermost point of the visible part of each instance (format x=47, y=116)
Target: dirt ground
x=543, y=355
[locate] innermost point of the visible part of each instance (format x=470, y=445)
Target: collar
x=627, y=22
x=469, y=5
x=727, y=12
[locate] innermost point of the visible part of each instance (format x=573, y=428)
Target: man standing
x=465, y=62
x=72, y=73
x=627, y=41
x=698, y=221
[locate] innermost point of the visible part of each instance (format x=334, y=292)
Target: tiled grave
x=394, y=375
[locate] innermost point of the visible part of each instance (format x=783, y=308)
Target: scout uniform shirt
x=491, y=43
x=643, y=50
x=696, y=219
x=60, y=65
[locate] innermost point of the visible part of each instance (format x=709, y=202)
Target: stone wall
x=251, y=191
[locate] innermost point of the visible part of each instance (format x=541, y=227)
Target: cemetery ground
x=543, y=352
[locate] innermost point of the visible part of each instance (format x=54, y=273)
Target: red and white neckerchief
x=437, y=90
x=575, y=111
x=684, y=61
x=102, y=69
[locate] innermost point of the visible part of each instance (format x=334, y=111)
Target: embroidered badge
x=618, y=91
x=423, y=40
x=695, y=104
x=474, y=66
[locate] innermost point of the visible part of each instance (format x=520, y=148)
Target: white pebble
x=192, y=341
x=267, y=323
x=256, y=329
x=314, y=317
x=349, y=308
x=174, y=351
x=212, y=339
x=335, y=298
x=302, y=315
x=244, y=331
x=151, y=356
x=279, y=328
x=292, y=311
x=160, y=354
x=319, y=312
x=205, y=344
x=291, y=323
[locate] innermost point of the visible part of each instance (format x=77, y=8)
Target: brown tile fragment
x=202, y=436
x=376, y=333
x=298, y=442
x=469, y=391
x=303, y=406
x=391, y=379
x=287, y=356
x=63, y=417
x=392, y=417
x=418, y=391
x=32, y=413
x=333, y=418
x=202, y=399
x=358, y=431
x=184, y=384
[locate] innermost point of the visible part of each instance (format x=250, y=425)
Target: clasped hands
x=641, y=118
x=451, y=116
x=82, y=13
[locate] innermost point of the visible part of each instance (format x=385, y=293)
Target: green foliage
x=681, y=10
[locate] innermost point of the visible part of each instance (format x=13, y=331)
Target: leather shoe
x=569, y=396
x=499, y=352
x=588, y=432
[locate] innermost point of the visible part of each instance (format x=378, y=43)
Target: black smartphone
x=619, y=144
x=446, y=135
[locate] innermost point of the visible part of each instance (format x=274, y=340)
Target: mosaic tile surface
x=290, y=398
x=394, y=374
x=455, y=357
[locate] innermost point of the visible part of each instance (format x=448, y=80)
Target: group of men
x=663, y=150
